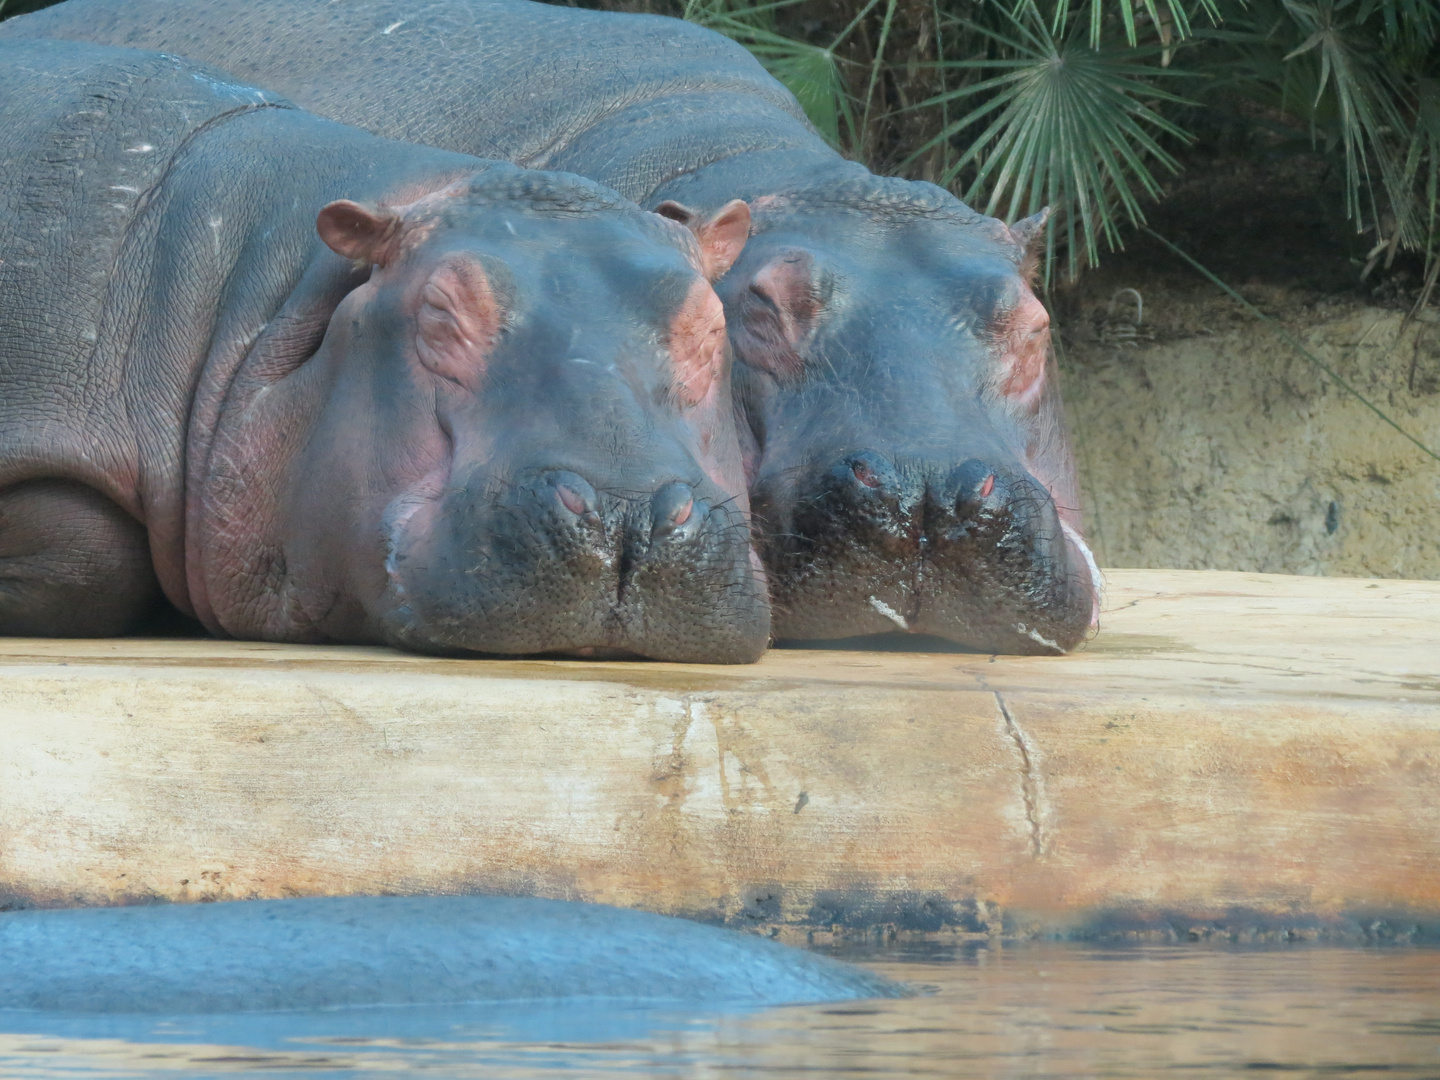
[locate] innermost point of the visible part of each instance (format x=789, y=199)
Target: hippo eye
x=457, y=322
x=778, y=311
x=1023, y=341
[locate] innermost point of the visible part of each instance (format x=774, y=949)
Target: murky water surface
x=1034, y=1010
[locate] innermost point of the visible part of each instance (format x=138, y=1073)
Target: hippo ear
x=361, y=233
x=458, y=322
x=721, y=238
x=1027, y=232
x=777, y=311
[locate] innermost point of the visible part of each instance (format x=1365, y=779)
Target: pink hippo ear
x=777, y=312
x=458, y=322
x=362, y=233
x=721, y=238
x=1024, y=341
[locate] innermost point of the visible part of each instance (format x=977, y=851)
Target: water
x=1030, y=1010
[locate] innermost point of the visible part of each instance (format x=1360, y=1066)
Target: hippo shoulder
x=84, y=126
x=86, y=134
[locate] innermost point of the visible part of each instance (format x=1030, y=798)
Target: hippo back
x=84, y=134
x=630, y=100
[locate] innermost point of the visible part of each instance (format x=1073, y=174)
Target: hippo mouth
x=994, y=568
x=555, y=568
x=1080, y=553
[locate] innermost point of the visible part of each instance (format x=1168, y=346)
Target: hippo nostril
x=578, y=497
x=572, y=500
x=973, y=484
x=672, y=510
x=865, y=474
x=868, y=469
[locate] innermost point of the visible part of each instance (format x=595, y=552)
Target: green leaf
x=1065, y=125
x=808, y=71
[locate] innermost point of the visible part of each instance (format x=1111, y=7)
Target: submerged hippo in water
x=322, y=386
x=347, y=952
x=902, y=431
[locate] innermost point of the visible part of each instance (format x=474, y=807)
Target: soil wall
x=1205, y=442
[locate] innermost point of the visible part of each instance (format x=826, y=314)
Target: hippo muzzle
x=908, y=462
x=553, y=564
x=972, y=550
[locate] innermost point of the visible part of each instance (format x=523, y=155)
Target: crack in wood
x=1029, y=785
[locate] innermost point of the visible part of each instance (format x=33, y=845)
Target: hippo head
x=902, y=431
x=513, y=435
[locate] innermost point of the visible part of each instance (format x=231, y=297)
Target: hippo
x=333, y=953
x=898, y=407
x=319, y=386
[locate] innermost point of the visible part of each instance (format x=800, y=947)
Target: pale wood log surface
x=1236, y=751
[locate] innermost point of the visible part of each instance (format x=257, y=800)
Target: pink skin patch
x=697, y=343
x=1049, y=460
x=423, y=499
x=1024, y=341
x=1027, y=381
x=700, y=387
x=457, y=322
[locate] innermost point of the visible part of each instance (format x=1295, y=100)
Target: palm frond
x=810, y=72
x=1170, y=18
x=1350, y=70
x=1066, y=126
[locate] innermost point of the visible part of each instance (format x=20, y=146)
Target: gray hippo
x=331, y=953
x=900, y=419
x=322, y=386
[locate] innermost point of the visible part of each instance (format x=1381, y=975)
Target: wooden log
x=1234, y=752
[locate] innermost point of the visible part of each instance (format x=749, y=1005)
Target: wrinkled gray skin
x=339, y=952
x=904, y=443
x=498, y=422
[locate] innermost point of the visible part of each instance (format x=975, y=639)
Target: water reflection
x=1033, y=1010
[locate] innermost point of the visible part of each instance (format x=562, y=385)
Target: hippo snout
x=556, y=563
x=973, y=551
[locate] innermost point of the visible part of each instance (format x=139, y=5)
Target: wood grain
x=1234, y=753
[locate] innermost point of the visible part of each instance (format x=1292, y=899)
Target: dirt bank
x=1204, y=441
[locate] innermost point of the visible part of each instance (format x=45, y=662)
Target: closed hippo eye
x=777, y=313
x=1024, y=345
x=457, y=322
x=697, y=342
